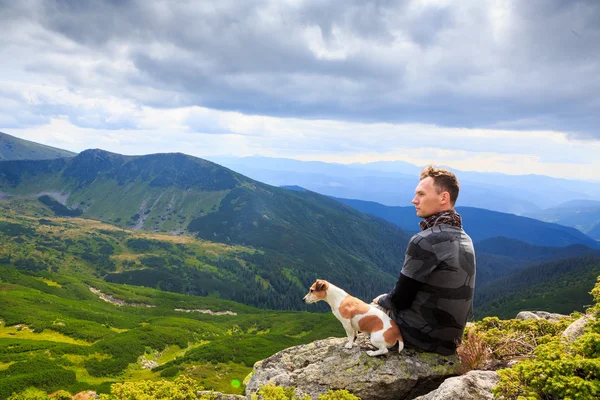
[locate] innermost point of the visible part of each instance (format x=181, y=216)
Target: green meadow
x=56, y=332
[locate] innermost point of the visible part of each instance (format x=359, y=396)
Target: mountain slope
x=301, y=236
x=558, y=286
x=13, y=148
x=483, y=224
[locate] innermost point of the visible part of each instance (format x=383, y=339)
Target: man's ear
x=445, y=197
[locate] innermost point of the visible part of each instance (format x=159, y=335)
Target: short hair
x=443, y=181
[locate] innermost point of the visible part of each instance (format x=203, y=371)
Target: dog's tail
x=400, y=345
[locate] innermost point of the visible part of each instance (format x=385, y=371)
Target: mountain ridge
x=14, y=148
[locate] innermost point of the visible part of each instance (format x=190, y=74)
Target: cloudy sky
x=506, y=86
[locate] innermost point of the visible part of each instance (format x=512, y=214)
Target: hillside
x=560, y=286
x=483, y=224
x=13, y=148
x=56, y=332
x=289, y=239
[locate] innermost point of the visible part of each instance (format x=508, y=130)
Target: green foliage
x=30, y=394
x=558, y=369
x=559, y=286
x=116, y=336
x=62, y=395
x=272, y=392
x=39, y=371
x=183, y=388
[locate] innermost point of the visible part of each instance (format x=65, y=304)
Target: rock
x=540, y=315
x=87, y=395
x=221, y=396
x=148, y=364
x=575, y=330
x=316, y=367
x=474, y=385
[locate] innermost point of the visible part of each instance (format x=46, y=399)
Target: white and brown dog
x=357, y=316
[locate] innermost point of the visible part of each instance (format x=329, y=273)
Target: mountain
x=393, y=182
x=293, y=237
x=583, y=215
x=13, y=148
x=483, y=224
x=498, y=257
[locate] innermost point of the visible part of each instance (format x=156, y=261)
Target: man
x=433, y=297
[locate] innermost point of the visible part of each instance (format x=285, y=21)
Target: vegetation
x=560, y=286
x=549, y=366
x=560, y=369
x=57, y=334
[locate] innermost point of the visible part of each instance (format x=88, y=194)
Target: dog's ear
x=320, y=285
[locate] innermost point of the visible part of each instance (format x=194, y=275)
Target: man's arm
x=402, y=295
x=420, y=261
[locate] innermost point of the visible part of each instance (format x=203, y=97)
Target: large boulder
x=575, y=330
x=524, y=315
x=316, y=367
x=474, y=385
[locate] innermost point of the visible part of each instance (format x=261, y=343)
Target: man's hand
x=376, y=299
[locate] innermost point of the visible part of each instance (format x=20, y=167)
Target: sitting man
x=433, y=298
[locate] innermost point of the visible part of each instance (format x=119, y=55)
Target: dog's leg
x=379, y=352
x=351, y=333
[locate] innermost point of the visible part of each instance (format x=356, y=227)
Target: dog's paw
x=348, y=345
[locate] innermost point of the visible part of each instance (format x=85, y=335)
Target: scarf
x=449, y=217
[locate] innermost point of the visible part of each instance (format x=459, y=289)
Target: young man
x=433, y=297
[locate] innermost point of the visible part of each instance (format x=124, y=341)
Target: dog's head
x=318, y=291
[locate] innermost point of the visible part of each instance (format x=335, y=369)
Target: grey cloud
x=445, y=65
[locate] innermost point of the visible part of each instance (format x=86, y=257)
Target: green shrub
x=559, y=369
x=272, y=392
x=30, y=394
x=62, y=395
x=183, y=388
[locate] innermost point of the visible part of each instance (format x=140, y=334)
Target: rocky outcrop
x=316, y=367
x=474, y=385
x=540, y=315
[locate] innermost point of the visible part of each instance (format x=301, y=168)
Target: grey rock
x=540, y=315
x=474, y=385
x=220, y=396
x=316, y=367
x=575, y=330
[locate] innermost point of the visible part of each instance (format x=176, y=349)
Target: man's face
x=427, y=200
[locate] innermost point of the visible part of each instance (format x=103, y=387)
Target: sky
x=482, y=85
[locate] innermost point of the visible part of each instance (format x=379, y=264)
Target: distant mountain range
x=483, y=224
x=393, y=183
x=300, y=235
x=13, y=148
x=581, y=214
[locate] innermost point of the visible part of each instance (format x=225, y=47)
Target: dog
x=357, y=316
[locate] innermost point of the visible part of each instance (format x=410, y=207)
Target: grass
x=26, y=333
